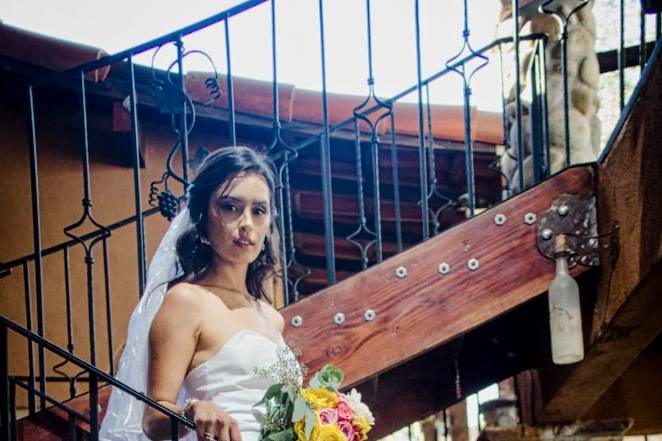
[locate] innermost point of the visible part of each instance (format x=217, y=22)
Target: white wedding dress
x=228, y=379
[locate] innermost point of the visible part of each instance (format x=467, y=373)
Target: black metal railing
x=362, y=142
x=9, y=384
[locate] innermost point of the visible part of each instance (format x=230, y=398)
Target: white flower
x=353, y=398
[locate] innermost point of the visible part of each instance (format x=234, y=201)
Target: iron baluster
x=325, y=164
x=621, y=55
x=543, y=87
x=36, y=234
x=466, y=80
x=87, y=214
x=12, y=408
x=109, y=309
x=28, y=324
x=71, y=426
x=642, y=40
x=174, y=429
x=229, y=85
x=535, y=120
x=396, y=185
x=137, y=188
x=518, y=98
x=5, y=386
x=287, y=154
x=94, y=407
x=183, y=123
x=363, y=228
x=360, y=114
x=70, y=335
x=422, y=167
x=496, y=164
x=563, y=21
x=433, y=189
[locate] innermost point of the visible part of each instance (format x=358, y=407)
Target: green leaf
x=300, y=409
x=274, y=391
x=311, y=420
x=283, y=435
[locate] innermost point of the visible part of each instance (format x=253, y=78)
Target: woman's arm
x=172, y=341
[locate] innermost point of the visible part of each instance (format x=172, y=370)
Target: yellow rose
x=328, y=433
x=300, y=430
x=320, y=397
x=364, y=427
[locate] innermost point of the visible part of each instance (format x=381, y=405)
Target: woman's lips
x=243, y=244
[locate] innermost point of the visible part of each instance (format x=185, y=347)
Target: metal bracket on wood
x=576, y=218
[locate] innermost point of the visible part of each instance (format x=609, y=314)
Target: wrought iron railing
x=362, y=128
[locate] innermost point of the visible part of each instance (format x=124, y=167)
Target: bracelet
x=188, y=404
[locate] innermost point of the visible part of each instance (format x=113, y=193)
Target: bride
x=203, y=324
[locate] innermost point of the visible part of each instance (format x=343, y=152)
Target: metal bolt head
x=369, y=315
x=444, y=268
x=546, y=234
x=563, y=210
x=530, y=218
x=401, y=272
x=473, y=264
x=339, y=318
x=297, y=321
x=500, y=219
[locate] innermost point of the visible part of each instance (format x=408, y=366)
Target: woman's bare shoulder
x=274, y=315
x=183, y=300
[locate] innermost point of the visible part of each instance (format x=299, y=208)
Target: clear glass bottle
x=565, y=316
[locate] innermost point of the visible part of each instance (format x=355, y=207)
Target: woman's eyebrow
x=238, y=199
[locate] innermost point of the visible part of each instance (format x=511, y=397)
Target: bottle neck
x=561, y=265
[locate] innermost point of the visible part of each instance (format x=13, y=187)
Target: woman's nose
x=246, y=221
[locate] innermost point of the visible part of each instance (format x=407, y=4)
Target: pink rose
x=345, y=412
x=357, y=436
x=328, y=416
x=347, y=429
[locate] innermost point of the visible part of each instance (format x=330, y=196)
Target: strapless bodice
x=229, y=380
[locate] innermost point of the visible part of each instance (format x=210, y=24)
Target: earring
x=204, y=240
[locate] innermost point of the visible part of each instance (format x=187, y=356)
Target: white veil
x=123, y=419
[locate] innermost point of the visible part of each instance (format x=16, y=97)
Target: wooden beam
x=425, y=309
x=633, y=327
x=628, y=312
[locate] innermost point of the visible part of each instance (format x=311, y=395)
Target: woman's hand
x=211, y=423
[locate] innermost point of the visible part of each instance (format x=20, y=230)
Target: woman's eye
x=260, y=211
x=231, y=208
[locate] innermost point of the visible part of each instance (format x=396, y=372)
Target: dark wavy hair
x=193, y=250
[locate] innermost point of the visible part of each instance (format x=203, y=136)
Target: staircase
x=421, y=327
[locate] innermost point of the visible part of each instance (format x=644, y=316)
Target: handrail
x=625, y=113
x=56, y=403
x=5, y=268
x=315, y=138
x=41, y=341
x=171, y=36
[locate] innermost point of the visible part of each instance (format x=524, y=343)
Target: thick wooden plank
x=425, y=309
x=628, y=313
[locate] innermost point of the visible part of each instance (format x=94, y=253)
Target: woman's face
x=239, y=218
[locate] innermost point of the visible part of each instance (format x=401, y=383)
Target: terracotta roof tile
x=49, y=52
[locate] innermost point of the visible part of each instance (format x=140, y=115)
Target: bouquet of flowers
x=319, y=412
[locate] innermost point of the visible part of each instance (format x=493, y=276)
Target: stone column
x=583, y=81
